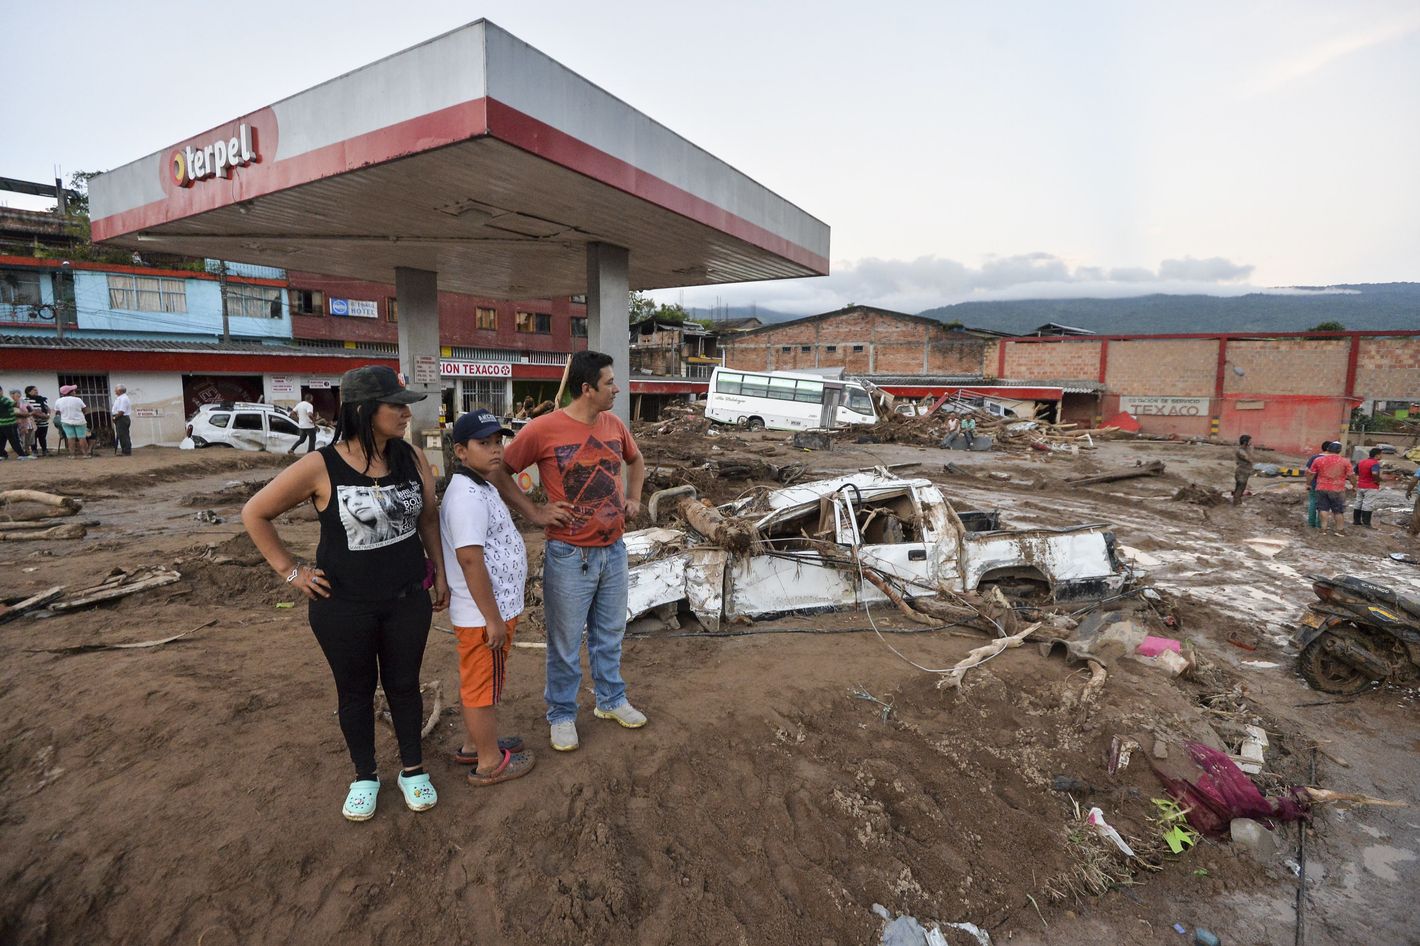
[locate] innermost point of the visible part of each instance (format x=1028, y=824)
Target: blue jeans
x=583, y=589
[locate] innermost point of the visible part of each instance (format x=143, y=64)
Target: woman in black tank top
x=378, y=560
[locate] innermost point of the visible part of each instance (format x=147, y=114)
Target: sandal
x=505, y=744
x=360, y=803
x=418, y=791
x=514, y=765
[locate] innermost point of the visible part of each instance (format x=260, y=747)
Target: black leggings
x=369, y=640
x=42, y=437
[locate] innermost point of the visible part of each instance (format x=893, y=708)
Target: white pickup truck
x=903, y=528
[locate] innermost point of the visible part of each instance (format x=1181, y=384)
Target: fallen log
x=69, y=530
x=47, y=523
x=45, y=499
x=732, y=535
x=8, y=612
x=115, y=587
x=1153, y=468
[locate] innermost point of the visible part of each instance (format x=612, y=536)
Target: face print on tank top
x=376, y=516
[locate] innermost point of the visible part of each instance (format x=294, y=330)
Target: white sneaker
x=564, y=736
x=625, y=714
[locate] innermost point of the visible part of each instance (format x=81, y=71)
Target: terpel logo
x=190, y=165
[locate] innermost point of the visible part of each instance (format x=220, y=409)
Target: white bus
x=781, y=400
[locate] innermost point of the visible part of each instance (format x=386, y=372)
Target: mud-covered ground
x=191, y=792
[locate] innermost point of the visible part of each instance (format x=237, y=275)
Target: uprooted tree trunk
x=732, y=535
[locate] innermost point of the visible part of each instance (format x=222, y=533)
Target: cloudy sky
x=958, y=150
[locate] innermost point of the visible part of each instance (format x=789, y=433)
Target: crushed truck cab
x=812, y=540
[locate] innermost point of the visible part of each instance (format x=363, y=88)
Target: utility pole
x=63, y=293
x=222, y=284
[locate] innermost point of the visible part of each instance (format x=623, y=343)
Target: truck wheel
x=755, y=423
x=1326, y=672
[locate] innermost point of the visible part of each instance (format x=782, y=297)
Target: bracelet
x=294, y=572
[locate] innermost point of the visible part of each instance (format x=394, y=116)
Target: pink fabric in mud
x=1218, y=791
x=1152, y=646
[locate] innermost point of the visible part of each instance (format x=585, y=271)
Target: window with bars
x=253, y=302
x=146, y=293
x=307, y=302
x=486, y=319
x=485, y=393
x=391, y=309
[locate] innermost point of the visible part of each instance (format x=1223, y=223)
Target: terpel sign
x=190, y=164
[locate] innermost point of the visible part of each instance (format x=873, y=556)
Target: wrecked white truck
x=806, y=548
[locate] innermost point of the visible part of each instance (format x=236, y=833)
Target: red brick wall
x=457, y=317
x=861, y=342
x=1044, y=361
x=1286, y=366
x=1388, y=368
x=1174, y=367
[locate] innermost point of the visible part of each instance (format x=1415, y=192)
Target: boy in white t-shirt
x=487, y=566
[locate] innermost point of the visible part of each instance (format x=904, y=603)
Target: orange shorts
x=481, y=670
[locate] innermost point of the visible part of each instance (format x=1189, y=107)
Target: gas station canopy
x=472, y=155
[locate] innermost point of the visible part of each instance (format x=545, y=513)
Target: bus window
x=810, y=392
x=781, y=388
x=755, y=386
x=728, y=383
x=859, y=402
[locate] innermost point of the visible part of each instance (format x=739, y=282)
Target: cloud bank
x=930, y=281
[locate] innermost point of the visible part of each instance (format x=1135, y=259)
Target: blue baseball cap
x=476, y=425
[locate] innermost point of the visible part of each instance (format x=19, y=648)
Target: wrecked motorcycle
x=1357, y=633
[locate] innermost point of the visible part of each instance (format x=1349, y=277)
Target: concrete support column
x=417, y=291
x=609, y=314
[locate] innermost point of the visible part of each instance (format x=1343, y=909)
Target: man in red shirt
x=579, y=452
x=1368, y=488
x=1330, y=476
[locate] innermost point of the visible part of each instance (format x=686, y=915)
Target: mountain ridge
x=1357, y=306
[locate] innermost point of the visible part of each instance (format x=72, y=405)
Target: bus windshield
x=859, y=402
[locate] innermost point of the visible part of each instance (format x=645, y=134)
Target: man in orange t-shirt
x=579, y=452
x=1330, y=475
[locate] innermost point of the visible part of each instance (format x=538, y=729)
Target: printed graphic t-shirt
x=1331, y=472
x=579, y=464
x=473, y=513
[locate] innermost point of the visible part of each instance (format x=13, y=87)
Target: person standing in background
x=304, y=414
x=1368, y=488
x=10, y=427
x=122, y=412
x=1331, y=474
x=1313, y=517
x=74, y=422
x=1242, y=467
x=39, y=409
